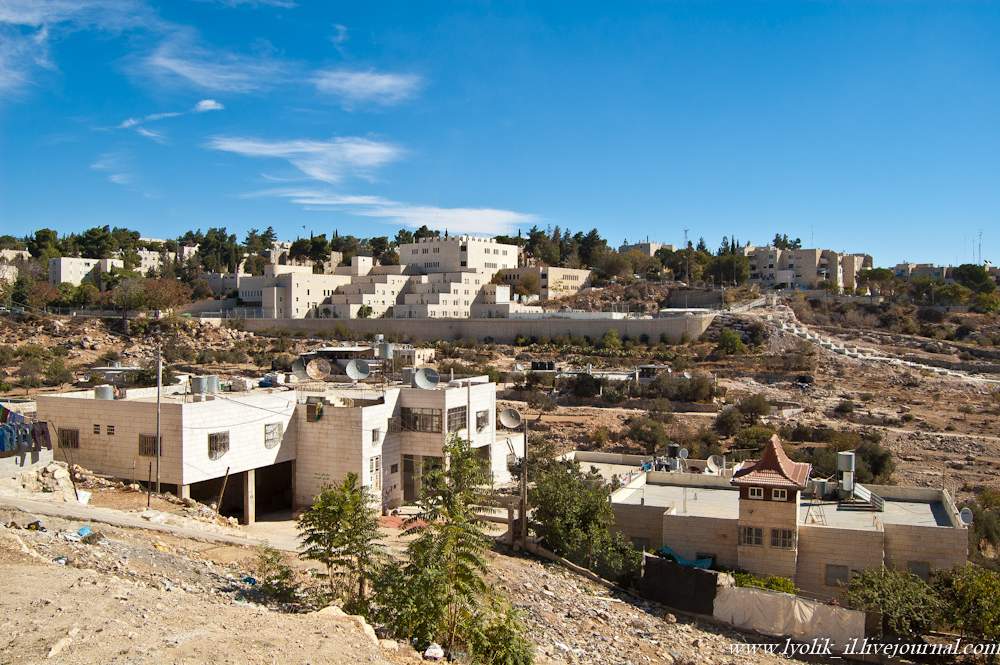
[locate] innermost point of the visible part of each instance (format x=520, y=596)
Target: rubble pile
x=572, y=619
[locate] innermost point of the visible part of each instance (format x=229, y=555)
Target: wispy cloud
x=339, y=36
x=151, y=134
x=283, y=4
x=28, y=26
x=179, y=59
x=202, y=106
x=115, y=165
x=327, y=161
x=354, y=87
x=460, y=220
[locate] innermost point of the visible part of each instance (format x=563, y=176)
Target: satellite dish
x=714, y=463
x=966, y=516
x=683, y=453
x=357, y=369
x=299, y=369
x=426, y=378
x=510, y=418
x=318, y=369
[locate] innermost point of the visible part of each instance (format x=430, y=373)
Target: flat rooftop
x=724, y=503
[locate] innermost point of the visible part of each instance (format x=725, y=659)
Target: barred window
x=111, y=430
x=751, y=535
x=272, y=435
x=376, y=433
x=97, y=429
x=147, y=445
x=218, y=444
x=375, y=470
x=783, y=538
x=420, y=420
x=69, y=438
x=482, y=420
x=457, y=418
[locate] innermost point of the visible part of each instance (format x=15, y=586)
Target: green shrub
x=770, y=582
x=730, y=343
x=908, y=605
x=275, y=578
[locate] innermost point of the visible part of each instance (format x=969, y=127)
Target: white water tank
x=199, y=385
x=212, y=384
x=104, y=392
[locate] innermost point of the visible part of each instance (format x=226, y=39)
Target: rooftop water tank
x=212, y=384
x=104, y=392
x=199, y=385
x=845, y=461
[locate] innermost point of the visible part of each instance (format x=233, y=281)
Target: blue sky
x=860, y=126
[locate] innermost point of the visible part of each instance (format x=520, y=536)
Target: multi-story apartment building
x=553, y=282
x=74, y=270
x=805, y=268
x=279, y=447
x=458, y=254
x=768, y=518
x=436, y=278
x=647, y=248
x=8, y=260
x=907, y=271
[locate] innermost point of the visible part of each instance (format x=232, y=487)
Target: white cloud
x=326, y=161
x=180, y=60
x=284, y=4
x=459, y=220
x=151, y=134
x=28, y=26
x=340, y=34
x=208, y=105
x=367, y=87
x=115, y=165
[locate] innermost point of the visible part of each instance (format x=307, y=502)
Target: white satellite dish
x=714, y=463
x=426, y=378
x=966, y=515
x=510, y=418
x=299, y=369
x=683, y=453
x=357, y=369
x=318, y=369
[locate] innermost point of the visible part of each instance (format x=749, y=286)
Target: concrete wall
x=326, y=450
x=500, y=330
x=820, y=546
x=690, y=535
x=643, y=523
x=940, y=547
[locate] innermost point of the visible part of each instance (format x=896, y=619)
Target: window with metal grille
x=482, y=420
x=457, y=418
x=69, y=438
x=375, y=469
x=272, y=434
x=751, y=535
x=97, y=429
x=111, y=430
x=147, y=445
x=420, y=420
x=218, y=444
x=783, y=538
x=376, y=433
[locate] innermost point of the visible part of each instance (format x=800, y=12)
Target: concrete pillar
x=183, y=491
x=293, y=483
x=249, y=497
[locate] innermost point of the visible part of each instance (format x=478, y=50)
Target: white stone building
x=280, y=447
x=74, y=270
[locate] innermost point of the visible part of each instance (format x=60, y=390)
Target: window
x=394, y=468
x=111, y=430
x=272, y=434
x=755, y=492
x=779, y=495
x=782, y=538
x=457, y=418
x=147, y=445
x=837, y=575
x=376, y=433
x=921, y=569
x=69, y=438
x=482, y=420
x=751, y=535
x=97, y=429
x=420, y=420
x=375, y=469
x=218, y=444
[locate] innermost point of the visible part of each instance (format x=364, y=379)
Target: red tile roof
x=773, y=469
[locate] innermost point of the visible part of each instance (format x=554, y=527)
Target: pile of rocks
x=53, y=477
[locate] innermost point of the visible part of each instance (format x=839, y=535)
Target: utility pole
x=687, y=276
x=524, y=488
x=159, y=386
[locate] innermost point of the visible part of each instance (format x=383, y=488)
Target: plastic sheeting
x=784, y=615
